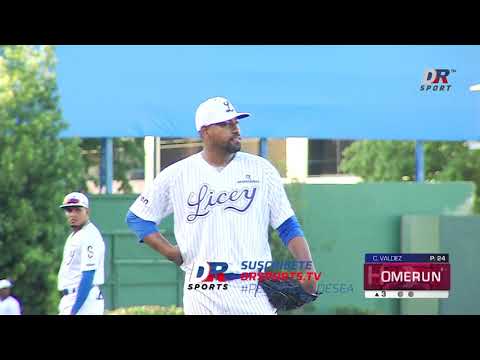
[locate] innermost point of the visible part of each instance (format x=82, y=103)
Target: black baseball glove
x=286, y=294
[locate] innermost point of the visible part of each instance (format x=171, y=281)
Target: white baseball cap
x=216, y=110
x=5, y=284
x=75, y=199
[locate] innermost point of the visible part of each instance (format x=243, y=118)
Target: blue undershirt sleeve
x=289, y=229
x=140, y=226
x=83, y=290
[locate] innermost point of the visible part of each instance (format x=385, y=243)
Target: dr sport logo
x=203, y=272
x=436, y=80
x=208, y=271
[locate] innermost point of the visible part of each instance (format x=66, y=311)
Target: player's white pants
x=241, y=298
x=93, y=305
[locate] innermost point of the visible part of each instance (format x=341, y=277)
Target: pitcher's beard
x=232, y=148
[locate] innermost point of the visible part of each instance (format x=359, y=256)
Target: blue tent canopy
x=325, y=92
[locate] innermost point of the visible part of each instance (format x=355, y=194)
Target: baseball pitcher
x=223, y=202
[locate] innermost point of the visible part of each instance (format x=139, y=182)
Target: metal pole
x=155, y=170
x=156, y=157
x=339, y=155
x=107, y=164
x=419, y=161
x=264, y=147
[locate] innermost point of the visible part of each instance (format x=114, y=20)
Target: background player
x=8, y=304
x=223, y=201
x=82, y=269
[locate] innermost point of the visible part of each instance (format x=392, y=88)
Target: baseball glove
x=286, y=294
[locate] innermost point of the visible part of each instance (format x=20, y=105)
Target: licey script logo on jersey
x=236, y=200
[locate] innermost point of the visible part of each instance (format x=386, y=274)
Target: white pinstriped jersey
x=10, y=306
x=218, y=215
x=84, y=250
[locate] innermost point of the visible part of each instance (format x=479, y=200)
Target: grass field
x=147, y=310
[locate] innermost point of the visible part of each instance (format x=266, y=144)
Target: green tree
x=395, y=161
x=128, y=154
x=36, y=170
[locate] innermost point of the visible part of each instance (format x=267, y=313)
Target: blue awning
x=325, y=92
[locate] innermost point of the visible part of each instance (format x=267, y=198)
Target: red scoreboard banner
x=406, y=276
x=415, y=275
